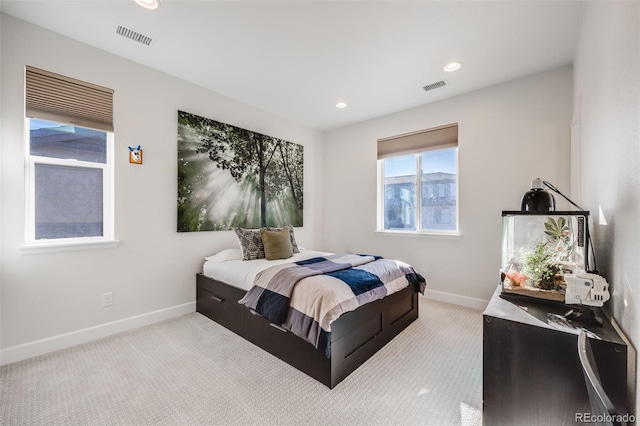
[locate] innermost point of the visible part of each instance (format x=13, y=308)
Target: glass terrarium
x=538, y=248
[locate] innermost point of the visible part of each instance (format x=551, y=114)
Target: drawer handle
x=277, y=327
x=254, y=312
x=217, y=299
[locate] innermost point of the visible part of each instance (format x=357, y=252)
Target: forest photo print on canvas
x=232, y=177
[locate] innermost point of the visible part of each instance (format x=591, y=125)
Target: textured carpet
x=189, y=370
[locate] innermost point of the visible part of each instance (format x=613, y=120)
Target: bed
x=354, y=336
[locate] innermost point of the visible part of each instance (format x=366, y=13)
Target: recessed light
x=149, y=4
x=453, y=66
x=341, y=105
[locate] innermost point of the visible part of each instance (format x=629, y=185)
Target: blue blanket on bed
x=305, y=297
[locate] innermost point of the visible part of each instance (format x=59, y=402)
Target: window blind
x=441, y=137
x=55, y=97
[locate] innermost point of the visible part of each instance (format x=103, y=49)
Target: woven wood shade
x=441, y=137
x=54, y=97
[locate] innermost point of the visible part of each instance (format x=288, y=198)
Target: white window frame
x=418, y=210
x=107, y=240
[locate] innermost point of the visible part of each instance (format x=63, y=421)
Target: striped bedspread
x=305, y=297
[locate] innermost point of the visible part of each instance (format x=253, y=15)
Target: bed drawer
x=360, y=336
x=403, y=304
x=220, y=289
x=223, y=310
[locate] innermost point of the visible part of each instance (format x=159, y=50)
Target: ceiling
x=297, y=59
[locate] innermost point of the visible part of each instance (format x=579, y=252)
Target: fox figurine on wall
x=135, y=155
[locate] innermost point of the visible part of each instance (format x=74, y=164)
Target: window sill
x=448, y=235
x=43, y=248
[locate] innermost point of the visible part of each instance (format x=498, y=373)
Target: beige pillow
x=294, y=245
x=277, y=244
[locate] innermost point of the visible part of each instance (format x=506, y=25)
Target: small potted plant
x=540, y=267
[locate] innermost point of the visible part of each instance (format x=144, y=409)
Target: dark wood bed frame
x=355, y=336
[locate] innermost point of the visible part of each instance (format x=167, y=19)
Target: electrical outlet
x=107, y=299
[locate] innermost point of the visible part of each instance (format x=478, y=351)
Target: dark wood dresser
x=531, y=370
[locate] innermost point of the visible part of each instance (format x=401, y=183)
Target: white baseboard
x=66, y=340
x=455, y=299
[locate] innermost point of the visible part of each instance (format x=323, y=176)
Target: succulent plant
x=557, y=230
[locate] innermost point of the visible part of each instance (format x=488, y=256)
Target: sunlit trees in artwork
x=272, y=166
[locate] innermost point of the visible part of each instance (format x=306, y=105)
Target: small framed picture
x=135, y=155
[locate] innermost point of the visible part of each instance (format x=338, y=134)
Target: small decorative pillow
x=292, y=236
x=226, y=255
x=277, y=244
x=250, y=243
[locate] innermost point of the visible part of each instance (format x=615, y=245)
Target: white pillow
x=225, y=255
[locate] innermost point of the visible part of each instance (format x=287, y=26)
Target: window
x=418, y=181
x=69, y=160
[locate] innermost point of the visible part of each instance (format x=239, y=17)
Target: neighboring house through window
x=419, y=181
x=69, y=160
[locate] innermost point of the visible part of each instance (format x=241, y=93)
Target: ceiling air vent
x=432, y=86
x=133, y=35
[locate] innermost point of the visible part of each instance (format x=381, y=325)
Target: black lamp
x=537, y=199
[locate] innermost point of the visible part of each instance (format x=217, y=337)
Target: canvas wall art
x=232, y=177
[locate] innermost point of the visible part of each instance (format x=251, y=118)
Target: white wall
x=509, y=134
x=0, y=184
x=53, y=300
x=607, y=111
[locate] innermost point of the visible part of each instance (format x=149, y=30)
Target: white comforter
x=242, y=273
